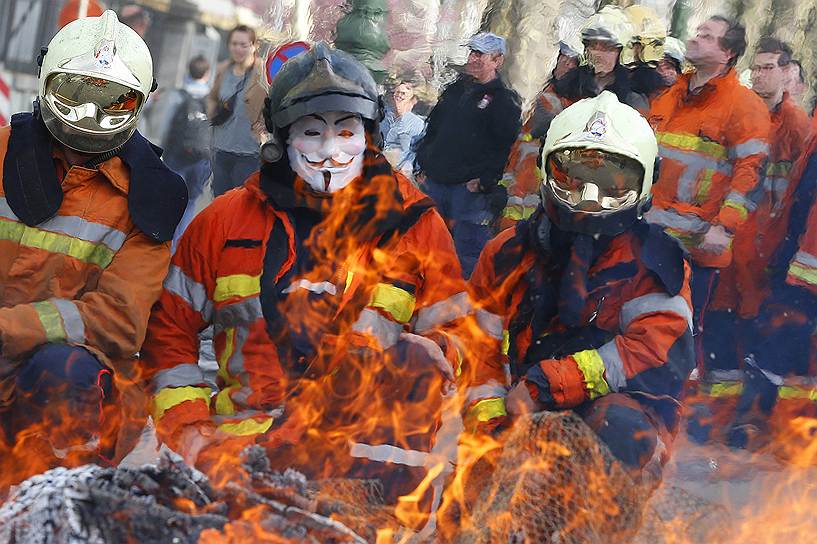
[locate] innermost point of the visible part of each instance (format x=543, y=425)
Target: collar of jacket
x=727, y=79
x=157, y=196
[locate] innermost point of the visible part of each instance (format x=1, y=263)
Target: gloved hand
x=520, y=400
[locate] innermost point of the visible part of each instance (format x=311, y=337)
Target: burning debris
x=552, y=481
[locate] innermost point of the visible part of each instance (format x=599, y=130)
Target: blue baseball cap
x=487, y=42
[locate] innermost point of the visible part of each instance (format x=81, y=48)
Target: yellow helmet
x=649, y=34
x=598, y=163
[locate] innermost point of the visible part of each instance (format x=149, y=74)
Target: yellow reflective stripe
x=808, y=275
x=224, y=403
x=238, y=285
x=506, y=342
x=779, y=169
x=397, y=302
x=705, y=185
x=688, y=142
x=740, y=208
x=87, y=252
x=722, y=389
x=166, y=399
x=51, y=321
x=350, y=276
x=488, y=409
x=794, y=392
x=592, y=366
x=526, y=137
x=518, y=213
x=246, y=427
x=224, y=356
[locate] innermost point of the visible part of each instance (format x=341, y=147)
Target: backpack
x=189, y=136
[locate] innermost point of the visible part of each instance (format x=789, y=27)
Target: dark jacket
x=470, y=133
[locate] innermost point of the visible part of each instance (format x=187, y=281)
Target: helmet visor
x=593, y=180
x=91, y=104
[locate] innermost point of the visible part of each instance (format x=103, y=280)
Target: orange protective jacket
x=712, y=145
x=87, y=276
x=214, y=279
x=522, y=176
x=744, y=284
x=645, y=346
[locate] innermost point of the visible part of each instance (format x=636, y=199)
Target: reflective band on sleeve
x=725, y=389
x=448, y=310
x=50, y=320
x=739, y=202
x=246, y=428
x=52, y=242
x=749, y=148
x=672, y=219
x=192, y=292
x=806, y=259
x=613, y=366
x=386, y=331
x=71, y=320
x=651, y=303
x=490, y=323
x=166, y=399
x=317, y=288
x=238, y=285
x=793, y=392
x=486, y=410
x=242, y=313
x=397, y=302
x=802, y=273
x=490, y=389
x=178, y=376
x=385, y=453
x=592, y=367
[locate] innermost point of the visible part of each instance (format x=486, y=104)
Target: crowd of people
x=648, y=221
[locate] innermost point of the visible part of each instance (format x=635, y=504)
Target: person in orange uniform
x=327, y=277
x=713, y=140
x=87, y=209
x=743, y=285
x=591, y=303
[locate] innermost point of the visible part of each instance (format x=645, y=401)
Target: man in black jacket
x=463, y=153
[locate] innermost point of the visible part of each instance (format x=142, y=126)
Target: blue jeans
x=231, y=170
x=469, y=219
x=195, y=176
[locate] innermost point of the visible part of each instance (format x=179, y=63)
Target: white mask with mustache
x=326, y=149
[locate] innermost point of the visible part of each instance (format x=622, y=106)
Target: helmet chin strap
x=327, y=179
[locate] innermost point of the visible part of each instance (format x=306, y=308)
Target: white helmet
x=598, y=161
x=675, y=49
x=94, y=80
x=609, y=25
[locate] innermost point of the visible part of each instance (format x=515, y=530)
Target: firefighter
x=604, y=37
x=645, y=50
x=87, y=209
x=588, y=306
x=332, y=284
x=713, y=140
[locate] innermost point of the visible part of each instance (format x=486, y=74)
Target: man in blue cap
x=463, y=153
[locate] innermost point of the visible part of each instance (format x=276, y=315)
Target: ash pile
x=552, y=481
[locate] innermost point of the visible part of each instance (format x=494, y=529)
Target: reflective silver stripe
x=244, y=312
x=235, y=365
x=246, y=414
x=386, y=331
x=183, y=375
x=385, y=453
x=492, y=389
x=654, y=302
x=739, y=199
x=748, y=148
x=672, y=219
x=806, y=259
x=555, y=103
x=528, y=201
x=317, y=288
x=71, y=320
x=613, y=366
x=193, y=293
x=528, y=148
x=241, y=396
x=776, y=184
x=76, y=227
x=490, y=323
x=695, y=163
x=439, y=313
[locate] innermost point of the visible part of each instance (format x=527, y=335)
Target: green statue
x=362, y=33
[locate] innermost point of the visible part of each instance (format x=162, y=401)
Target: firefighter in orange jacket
x=713, y=140
x=591, y=303
x=86, y=212
x=743, y=285
x=334, y=289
